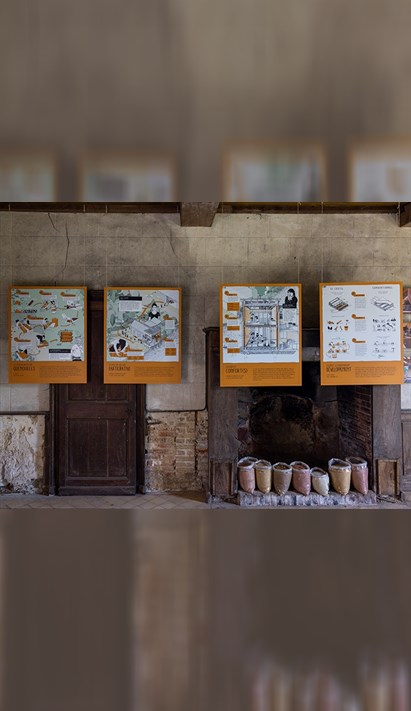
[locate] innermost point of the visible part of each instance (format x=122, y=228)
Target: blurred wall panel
x=380, y=171
x=127, y=177
x=27, y=176
x=275, y=173
x=190, y=77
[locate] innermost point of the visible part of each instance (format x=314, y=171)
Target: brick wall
x=354, y=410
x=176, y=451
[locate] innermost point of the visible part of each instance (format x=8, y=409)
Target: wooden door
x=99, y=429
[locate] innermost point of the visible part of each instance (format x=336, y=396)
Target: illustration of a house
x=148, y=333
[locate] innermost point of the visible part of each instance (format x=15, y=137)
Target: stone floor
x=154, y=501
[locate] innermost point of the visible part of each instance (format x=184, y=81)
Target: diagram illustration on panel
x=260, y=324
x=47, y=334
x=142, y=335
x=361, y=333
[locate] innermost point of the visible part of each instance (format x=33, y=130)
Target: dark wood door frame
x=52, y=479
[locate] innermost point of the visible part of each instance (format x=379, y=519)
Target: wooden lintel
x=405, y=214
x=210, y=208
x=198, y=214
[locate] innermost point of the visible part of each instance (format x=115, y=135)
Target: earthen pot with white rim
x=359, y=474
x=340, y=473
x=246, y=474
x=263, y=475
x=320, y=481
x=301, y=477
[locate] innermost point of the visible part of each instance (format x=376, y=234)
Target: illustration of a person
x=290, y=301
x=41, y=340
x=118, y=346
x=76, y=352
x=24, y=325
x=154, y=312
x=22, y=354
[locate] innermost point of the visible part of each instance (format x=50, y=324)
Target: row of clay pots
x=259, y=472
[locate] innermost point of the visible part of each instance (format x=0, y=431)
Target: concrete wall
x=120, y=250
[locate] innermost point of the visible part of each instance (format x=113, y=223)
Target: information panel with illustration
x=47, y=327
x=142, y=335
x=406, y=315
x=260, y=331
x=361, y=334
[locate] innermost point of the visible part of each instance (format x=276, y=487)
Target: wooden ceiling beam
x=198, y=214
x=202, y=213
x=405, y=214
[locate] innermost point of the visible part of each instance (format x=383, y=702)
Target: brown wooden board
x=222, y=422
x=388, y=476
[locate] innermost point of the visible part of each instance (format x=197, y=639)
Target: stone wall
x=22, y=453
x=97, y=250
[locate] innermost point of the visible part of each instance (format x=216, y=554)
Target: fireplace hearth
x=312, y=423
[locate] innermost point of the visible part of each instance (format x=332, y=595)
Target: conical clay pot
x=340, y=473
x=359, y=474
x=282, y=474
x=263, y=475
x=246, y=474
x=301, y=477
x=320, y=481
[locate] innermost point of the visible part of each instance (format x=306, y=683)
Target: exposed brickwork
x=354, y=410
x=176, y=451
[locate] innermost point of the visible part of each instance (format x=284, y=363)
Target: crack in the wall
x=67, y=249
x=51, y=220
x=61, y=272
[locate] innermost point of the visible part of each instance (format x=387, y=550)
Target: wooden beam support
x=198, y=214
x=387, y=433
x=222, y=423
x=202, y=213
x=405, y=214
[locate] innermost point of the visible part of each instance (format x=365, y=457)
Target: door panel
x=99, y=428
